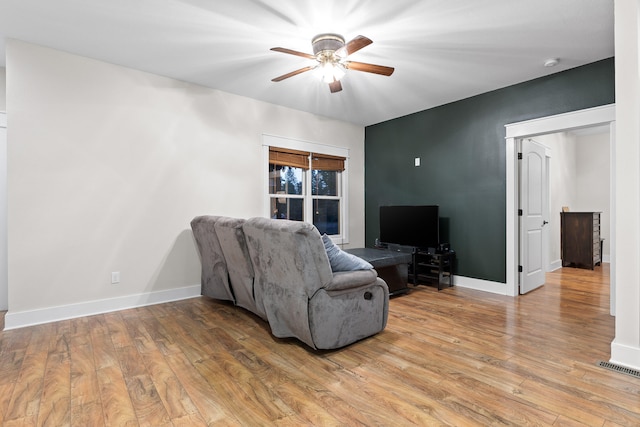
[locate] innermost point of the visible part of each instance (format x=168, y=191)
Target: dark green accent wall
x=462, y=151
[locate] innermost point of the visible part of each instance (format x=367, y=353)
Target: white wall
x=3, y=89
x=593, y=178
x=625, y=348
x=108, y=165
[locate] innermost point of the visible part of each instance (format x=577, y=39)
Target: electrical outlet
x=416, y=161
x=115, y=277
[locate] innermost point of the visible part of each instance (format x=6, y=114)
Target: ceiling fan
x=330, y=53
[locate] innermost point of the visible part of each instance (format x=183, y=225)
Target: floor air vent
x=621, y=369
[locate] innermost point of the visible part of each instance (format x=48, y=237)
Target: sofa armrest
x=351, y=279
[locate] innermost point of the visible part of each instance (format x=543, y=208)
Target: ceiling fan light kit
x=330, y=72
x=325, y=48
x=330, y=53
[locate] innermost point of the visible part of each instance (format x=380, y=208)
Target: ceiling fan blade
x=293, y=52
x=369, y=68
x=335, y=86
x=353, y=46
x=291, y=74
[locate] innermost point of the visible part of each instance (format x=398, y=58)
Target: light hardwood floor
x=455, y=357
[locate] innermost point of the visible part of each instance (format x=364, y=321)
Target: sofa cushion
x=235, y=251
x=215, y=275
x=342, y=261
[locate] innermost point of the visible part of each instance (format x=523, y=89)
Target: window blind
x=300, y=159
x=325, y=162
x=287, y=157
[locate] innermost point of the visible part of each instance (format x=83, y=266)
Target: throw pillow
x=341, y=260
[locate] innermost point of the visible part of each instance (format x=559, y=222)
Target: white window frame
x=312, y=147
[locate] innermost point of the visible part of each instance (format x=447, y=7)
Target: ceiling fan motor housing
x=328, y=43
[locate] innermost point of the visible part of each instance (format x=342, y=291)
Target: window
x=286, y=186
x=326, y=197
x=308, y=186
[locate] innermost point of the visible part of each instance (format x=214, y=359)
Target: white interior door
x=533, y=202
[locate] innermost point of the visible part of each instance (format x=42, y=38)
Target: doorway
x=579, y=181
x=604, y=115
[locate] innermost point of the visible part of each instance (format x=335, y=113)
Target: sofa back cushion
x=289, y=253
x=234, y=247
x=214, y=276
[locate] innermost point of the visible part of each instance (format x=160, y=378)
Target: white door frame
x=603, y=115
x=4, y=278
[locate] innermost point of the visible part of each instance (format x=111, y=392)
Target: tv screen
x=410, y=225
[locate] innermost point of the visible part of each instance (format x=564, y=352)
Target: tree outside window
x=286, y=181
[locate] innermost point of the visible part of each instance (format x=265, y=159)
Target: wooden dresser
x=580, y=239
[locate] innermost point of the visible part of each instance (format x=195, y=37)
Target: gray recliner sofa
x=279, y=270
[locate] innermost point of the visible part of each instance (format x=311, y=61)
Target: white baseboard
x=14, y=320
x=555, y=265
x=481, y=285
x=625, y=355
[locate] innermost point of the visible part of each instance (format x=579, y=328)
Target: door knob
x=545, y=223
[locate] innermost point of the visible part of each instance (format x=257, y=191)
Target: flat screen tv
x=417, y=226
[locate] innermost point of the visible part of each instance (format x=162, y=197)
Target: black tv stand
x=432, y=267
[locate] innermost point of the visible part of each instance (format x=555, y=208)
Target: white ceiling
x=442, y=50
